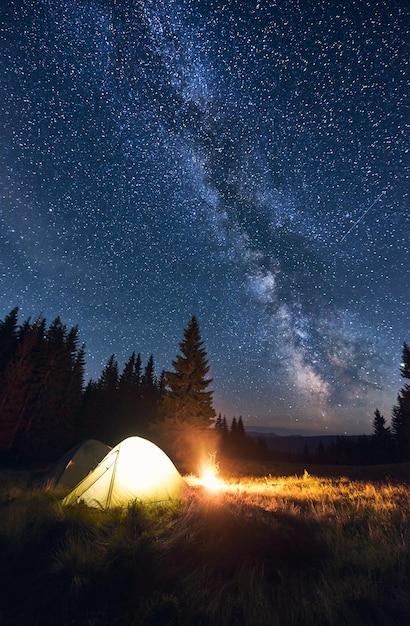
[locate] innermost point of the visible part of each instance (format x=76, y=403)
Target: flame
x=209, y=475
x=210, y=480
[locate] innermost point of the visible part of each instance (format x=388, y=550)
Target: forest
x=46, y=407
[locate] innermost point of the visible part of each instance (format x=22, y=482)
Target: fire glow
x=208, y=475
x=210, y=480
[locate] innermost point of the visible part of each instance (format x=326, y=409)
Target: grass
x=269, y=548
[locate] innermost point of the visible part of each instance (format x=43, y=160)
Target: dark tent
x=75, y=464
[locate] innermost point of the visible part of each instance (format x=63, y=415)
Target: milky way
x=245, y=162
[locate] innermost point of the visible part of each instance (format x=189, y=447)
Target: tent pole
x=114, y=471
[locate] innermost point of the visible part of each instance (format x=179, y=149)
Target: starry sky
x=242, y=161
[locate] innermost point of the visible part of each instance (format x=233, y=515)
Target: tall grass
x=268, y=550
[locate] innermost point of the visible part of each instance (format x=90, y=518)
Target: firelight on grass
x=210, y=480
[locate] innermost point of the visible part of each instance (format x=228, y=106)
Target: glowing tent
x=135, y=469
x=76, y=464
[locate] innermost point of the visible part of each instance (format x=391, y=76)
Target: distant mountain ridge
x=295, y=444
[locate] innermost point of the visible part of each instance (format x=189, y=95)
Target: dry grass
x=273, y=549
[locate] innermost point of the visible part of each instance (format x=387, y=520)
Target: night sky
x=245, y=162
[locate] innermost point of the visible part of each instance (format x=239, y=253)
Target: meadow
x=271, y=545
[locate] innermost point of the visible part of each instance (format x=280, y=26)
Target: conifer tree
x=138, y=370
x=398, y=427
x=88, y=423
x=109, y=378
x=8, y=339
x=41, y=391
x=19, y=391
x=187, y=398
x=234, y=428
x=240, y=429
x=129, y=398
x=148, y=380
x=76, y=387
x=161, y=385
x=151, y=391
x=239, y=443
x=405, y=364
x=379, y=425
x=128, y=379
x=381, y=439
x=401, y=411
x=222, y=430
x=59, y=370
x=106, y=423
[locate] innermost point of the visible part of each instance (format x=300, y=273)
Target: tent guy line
x=383, y=193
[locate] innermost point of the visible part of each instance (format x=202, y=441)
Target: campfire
x=208, y=475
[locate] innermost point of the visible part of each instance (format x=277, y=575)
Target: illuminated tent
x=135, y=469
x=76, y=464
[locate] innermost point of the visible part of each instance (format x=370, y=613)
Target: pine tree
x=405, y=364
x=401, y=411
x=41, y=386
x=379, y=425
x=129, y=398
x=222, y=431
x=138, y=370
x=187, y=398
x=239, y=444
x=66, y=362
x=128, y=380
x=19, y=391
x=241, y=428
x=109, y=378
x=397, y=421
x=106, y=404
x=161, y=386
x=151, y=391
x=381, y=439
x=148, y=381
x=186, y=412
x=76, y=390
x=59, y=369
x=88, y=423
x=8, y=339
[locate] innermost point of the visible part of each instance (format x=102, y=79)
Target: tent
x=135, y=469
x=75, y=464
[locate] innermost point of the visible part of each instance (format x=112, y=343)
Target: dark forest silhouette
x=45, y=406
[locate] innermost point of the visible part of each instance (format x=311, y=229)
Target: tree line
x=233, y=440
x=393, y=442
x=45, y=407
x=387, y=444
x=41, y=387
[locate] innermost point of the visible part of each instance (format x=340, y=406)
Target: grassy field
x=275, y=545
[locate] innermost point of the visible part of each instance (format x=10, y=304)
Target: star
x=245, y=163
